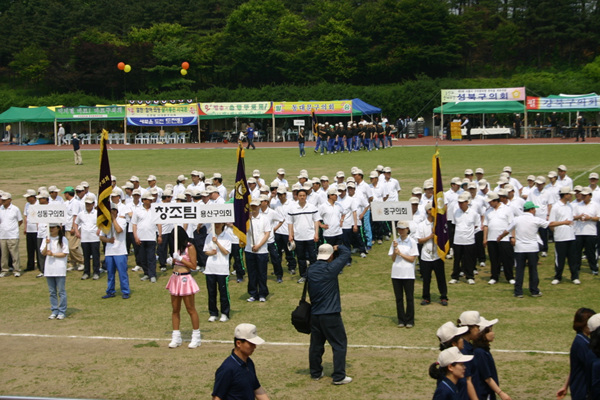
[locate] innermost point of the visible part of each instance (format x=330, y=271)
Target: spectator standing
x=10, y=221
x=76, y=149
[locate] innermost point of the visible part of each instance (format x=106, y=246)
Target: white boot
x=176, y=340
x=196, y=341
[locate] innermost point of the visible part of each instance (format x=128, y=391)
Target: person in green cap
x=525, y=238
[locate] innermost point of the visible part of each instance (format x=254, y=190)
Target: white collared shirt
x=331, y=214
x=526, y=228
x=466, y=223
x=498, y=220
x=86, y=221
x=303, y=220
x=562, y=212
x=402, y=269
x=9, y=221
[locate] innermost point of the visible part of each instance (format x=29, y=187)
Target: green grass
x=135, y=368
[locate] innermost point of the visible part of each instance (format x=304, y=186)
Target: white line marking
x=585, y=172
x=355, y=346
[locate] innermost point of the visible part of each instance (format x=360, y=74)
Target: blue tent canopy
x=364, y=108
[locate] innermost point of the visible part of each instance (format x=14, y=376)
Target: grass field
x=117, y=349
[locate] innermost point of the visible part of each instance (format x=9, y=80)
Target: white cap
x=387, y=169
x=6, y=196
x=479, y=171
x=181, y=178
x=332, y=190
x=562, y=167
x=134, y=179
x=594, y=322
x=540, y=180
x=281, y=171
x=468, y=171
x=325, y=251
x=374, y=174
x=414, y=200
x=256, y=173
x=30, y=193
x=89, y=199
x=53, y=189
x=469, y=318
x=85, y=184
x=340, y=174
x=552, y=174
x=417, y=190
x=484, y=323
x=594, y=175
x=151, y=178
x=448, y=331
x=452, y=355
x=247, y=332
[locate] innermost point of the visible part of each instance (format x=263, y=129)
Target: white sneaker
x=482, y=264
x=544, y=254
x=212, y=318
x=84, y=277
x=250, y=299
x=224, y=318
x=17, y=274
x=175, y=340
x=3, y=274
x=555, y=282
x=80, y=267
x=70, y=269
x=52, y=316
x=144, y=278
x=448, y=256
x=461, y=274
x=170, y=261
x=475, y=272
x=153, y=279
x=471, y=281
x=363, y=255
x=453, y=281
x=136, y=268
x=262, y=299
x=343, y=381
x=96, y=277
x=196, y=340
x=492, y=282
x=512, y=281
x=61, y=316
x=576, y=282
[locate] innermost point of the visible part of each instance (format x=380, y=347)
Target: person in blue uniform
x=578, y=379
x=236, y=377
x=593, y=362
x=449, y=371
x=485, y=375
x=470, y=320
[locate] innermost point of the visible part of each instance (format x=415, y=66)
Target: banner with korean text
x=224, y=110
x=583, y=103
x=307, y=107
x=498, y=94
x=183, y=213
x=87, y=113
x=179, y=115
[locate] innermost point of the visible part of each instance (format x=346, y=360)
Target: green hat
x=529, y=205
x=69, y=189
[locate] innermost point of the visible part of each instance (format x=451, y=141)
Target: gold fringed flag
x=241, y=202
x=440, y=229
x=104, y=220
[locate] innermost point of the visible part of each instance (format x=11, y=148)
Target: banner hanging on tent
x=234, y=109
x=498, y=94
x=546, y=103
x=307, y=107
x=162, y=115
x=112, y=112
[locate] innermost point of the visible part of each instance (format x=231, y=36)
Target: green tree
x=30, y=64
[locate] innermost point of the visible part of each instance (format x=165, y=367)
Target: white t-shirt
x=402, y=269
x=526, y=232
x=303, y=220
x=258, y=226
x=119, y=247
x=331, y=214
x=9, y=222
x=86, y=221
x=219, y=263
x=562, y=212
x=146, y=221
x=466, y=223
x=587, y=227
x=393, y=187
x=498, y=220
x=56, y=266
x=429, y=251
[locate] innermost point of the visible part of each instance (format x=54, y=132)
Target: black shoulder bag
x=301, y=315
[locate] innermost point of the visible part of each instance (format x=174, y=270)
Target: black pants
x=587, y=243
x=530, y=260
x=406, y=315
x=199, y=239
x=236, y=254
x=501, y=255
x=148, y=258
x=91, y=249
x=256, y=264
x=41, y=260
x=543, y=232
x=451, y=230
x=480, y=248
x=330, y=328
x=251, y=143
x=31, y=240
x=305, y=249
x=220, y=282
x=275, y=259
x=464, y=260
x=437, y=267
x=281, y=241
x=334, y=240
x=166, y=248
x=136, y=248
x=358, y=239
x=377, y=229
x=566, y=251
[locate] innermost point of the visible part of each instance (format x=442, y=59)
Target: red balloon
x=185, y=65
x=121, y=65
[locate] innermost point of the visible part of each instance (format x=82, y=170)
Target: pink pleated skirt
x=182, y=285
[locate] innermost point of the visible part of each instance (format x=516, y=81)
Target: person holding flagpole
x=430, y=260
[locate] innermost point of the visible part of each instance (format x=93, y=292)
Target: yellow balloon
x=127, y=68
x=183, y=72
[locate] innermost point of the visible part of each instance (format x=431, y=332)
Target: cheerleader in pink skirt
x=182, y=286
